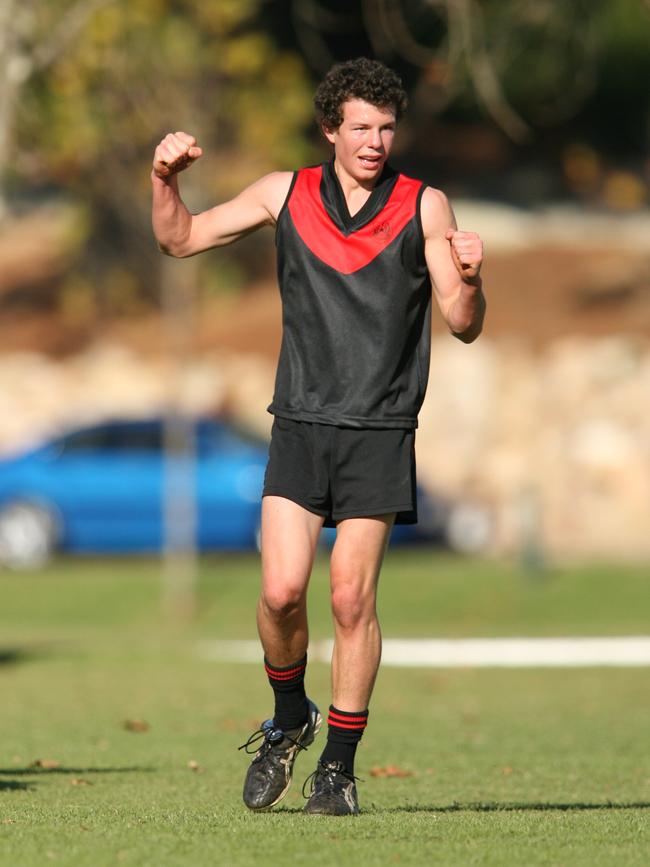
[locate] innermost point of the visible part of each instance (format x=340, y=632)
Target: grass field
x=525, y=767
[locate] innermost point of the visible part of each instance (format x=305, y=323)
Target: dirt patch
x=535, y=295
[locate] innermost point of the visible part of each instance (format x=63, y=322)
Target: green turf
x=506, y=767
x=422, y=594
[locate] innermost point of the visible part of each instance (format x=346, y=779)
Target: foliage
x=525, y=64
x=141, y=68
x=88, y=87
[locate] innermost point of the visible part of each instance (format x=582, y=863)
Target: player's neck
x=356, y=191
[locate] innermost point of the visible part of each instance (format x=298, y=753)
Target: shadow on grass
x=497, y=807
x=15, y=786
x=490, y=807
x=13, y=655
x=32, y=651
x=30, y=771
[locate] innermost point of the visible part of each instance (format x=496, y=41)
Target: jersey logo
x=347, y=254
x=383, y=230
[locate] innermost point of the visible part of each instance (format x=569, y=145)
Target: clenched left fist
x=467, y=252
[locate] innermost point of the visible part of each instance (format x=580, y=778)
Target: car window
x=213, y=437
x=216, y=436
x=210, y=438
x=145, y=437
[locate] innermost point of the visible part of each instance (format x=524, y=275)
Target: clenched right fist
x=176, y=152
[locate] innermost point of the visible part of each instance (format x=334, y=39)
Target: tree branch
x=64, y=33
x=398, y=31
x=482, y=72
x=311, y=39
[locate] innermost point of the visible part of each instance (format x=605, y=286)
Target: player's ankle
x=288, y=684
x=344, y=731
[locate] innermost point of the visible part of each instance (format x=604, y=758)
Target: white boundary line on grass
x=470, y=652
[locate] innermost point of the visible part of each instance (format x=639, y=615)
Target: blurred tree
x=527, y=64
x=523, y=61
x=87, y=88
x=90, y=116
x=30, y=42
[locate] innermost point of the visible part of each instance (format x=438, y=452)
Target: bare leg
x=356, y=560
x=289, y=539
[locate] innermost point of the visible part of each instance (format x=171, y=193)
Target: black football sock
x=291, y=708
x=344, y=730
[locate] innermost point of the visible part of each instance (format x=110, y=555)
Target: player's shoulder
x=275, y=181
x=434, y=199
x=271, y=190
x=435, y=211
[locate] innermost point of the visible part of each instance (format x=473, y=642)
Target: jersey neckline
x=333, y=198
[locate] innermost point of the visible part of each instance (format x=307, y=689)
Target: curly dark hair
x=363, y=79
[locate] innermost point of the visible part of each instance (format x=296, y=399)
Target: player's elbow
x=469, y=335
x=174, y=249
x=469, y=327
x=176, y=239
x=166, y=249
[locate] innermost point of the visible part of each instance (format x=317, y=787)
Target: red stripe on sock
x=282, y=679
x=347, y=719
x=284, y=675
x=339, y=725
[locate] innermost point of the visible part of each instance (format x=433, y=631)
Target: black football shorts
x=341, y=472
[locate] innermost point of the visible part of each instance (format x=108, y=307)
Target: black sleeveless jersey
x=356, y=302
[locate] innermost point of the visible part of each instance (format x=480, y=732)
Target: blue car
x=102, y=489
x=113, y=488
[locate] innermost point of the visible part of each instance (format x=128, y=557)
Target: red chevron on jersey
x=347, y=254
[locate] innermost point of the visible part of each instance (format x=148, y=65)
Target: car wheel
x=28, y=534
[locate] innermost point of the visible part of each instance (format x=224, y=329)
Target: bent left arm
x=454, y=261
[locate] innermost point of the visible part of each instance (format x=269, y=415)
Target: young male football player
x=361, y=250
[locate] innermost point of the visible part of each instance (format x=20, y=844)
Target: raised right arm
x=180, y=233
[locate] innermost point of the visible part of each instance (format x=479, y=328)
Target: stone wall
x=555, y=443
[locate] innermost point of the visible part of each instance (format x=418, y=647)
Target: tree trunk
x=9, y=60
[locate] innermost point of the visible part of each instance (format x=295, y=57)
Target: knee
x=281, y=600
x=351, y=606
